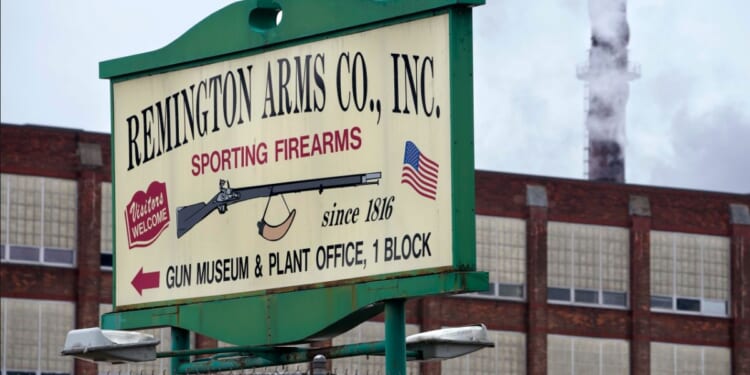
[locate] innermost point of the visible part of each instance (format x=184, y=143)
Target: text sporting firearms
x=189, y=216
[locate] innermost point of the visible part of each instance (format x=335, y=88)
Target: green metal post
x=395, y=337
x=180, y=341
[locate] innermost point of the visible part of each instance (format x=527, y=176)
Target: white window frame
x=493, y=293
x=571, y=341
x=702, y=348
x=674, y=297
x=6, y=246
x=38, y=371
x=572, y=289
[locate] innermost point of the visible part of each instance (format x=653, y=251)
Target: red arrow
x=145, y=280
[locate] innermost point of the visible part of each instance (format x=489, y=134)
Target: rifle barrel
x=189, y=216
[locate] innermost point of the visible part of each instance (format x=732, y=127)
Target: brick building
x=585, y=277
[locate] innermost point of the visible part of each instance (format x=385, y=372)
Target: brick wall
x=600, y=203
x=54, y=152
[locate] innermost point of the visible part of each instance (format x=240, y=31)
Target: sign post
x=395, y=337
x=323, y=162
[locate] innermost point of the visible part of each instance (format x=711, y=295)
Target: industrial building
x=587, y=277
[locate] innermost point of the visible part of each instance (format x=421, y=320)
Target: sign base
x=307, y=315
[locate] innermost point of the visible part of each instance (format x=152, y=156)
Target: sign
x=316, y=164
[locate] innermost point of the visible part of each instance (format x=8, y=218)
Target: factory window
x=367, y=332
x=106, y=226
x=38, y=220
x=501, y=250
x=31, y=335
x=583, y=355
x=671, y=359
x=587, y=264
x=507, y=357
x=159, y=366
x=690, y=273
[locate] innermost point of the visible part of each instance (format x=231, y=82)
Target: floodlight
x=97, y=345
x=449, y=343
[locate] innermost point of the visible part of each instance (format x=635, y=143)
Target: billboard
x=303, y=166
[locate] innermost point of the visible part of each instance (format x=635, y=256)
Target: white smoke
x=608, y=21
x=607, y=78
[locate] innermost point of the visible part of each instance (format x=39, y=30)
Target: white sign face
x=322, y=162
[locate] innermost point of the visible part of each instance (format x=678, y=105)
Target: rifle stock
x=188, y=216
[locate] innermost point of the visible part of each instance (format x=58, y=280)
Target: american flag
x=419, y=171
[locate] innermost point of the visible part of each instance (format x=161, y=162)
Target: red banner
x=147, y=215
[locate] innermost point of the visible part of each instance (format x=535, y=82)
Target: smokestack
x=607, y=75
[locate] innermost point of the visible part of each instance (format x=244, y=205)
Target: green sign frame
x=247, y=28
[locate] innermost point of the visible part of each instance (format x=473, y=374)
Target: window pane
x=714, y=307
x=662, y=359
x=687, y=265
x=60, y=212
x=491, y=291
x=501, y=248
x=57, y=319
x=688, y=304
x=560, y=355
x=715, y=267
x=559, y=253
x=587, y=296
x=22, y=344
x=510, y=351
x=512, y=247
x=717, y=360
x=661, y=264
x=512, y=291
x=586, y=246
x=487, y=247
x=106, y=260
x=24, y=253
x=615, y=253
x=615, y=298
x=688, y=359
x=615, y=357
x=698, y=271
x=660, y=302
x=59, y=256
x=558, y=294
x=588, y=257
x=25, y=210
x=586, y=356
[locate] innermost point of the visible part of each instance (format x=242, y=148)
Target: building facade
x=586, y=277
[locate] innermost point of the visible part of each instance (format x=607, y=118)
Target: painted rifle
x=189, y=216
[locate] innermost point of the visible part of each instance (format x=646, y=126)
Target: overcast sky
x=688, y=117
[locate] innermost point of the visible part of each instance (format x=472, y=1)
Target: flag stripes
x=419, y=172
